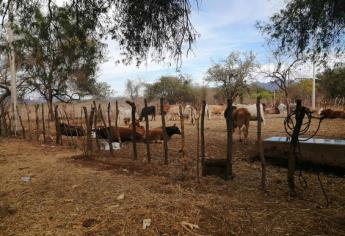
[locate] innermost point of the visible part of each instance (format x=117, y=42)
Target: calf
x=71, y=130
x=150, y=110
x=157, y=133
x=241, y=118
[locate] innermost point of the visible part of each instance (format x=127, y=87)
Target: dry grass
x=69, y=195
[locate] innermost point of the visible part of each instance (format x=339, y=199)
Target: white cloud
x=224, y=25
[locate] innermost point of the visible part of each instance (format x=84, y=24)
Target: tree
x=332, y=81
x=315, y=27
x=133, y=88
x=231, y=76
x=282, y=74
x=61, y=56
x=144, y=29
x=174, y=89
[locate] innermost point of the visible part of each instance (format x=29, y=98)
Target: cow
x=214, y=110
x=156, y=134
x=282, y=108
x=272, y=110
x=71, y=130
x=253, y=111
x=331, y=114
x=174, y=112
x=150, y=110
x=139, y=128
x=241, y=119
x=126, y=115
x=124, y=133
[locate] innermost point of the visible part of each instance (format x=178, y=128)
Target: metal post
x=313, y=92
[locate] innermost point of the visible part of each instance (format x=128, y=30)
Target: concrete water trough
x=325, y=152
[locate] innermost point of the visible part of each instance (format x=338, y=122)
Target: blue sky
x=224, y=26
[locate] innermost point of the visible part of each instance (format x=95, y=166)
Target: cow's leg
x=240, y=133
x=245, y=132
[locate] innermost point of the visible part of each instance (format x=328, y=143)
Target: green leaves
x=312, y=27
x=232, y=74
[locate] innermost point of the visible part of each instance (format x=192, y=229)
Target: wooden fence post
x=134, y=140
x=147, y=133
x=197, y=148
x=28, y=118
x=37, y=106
x=95, y=124
x=182, y=131
x=202, y=133
x=21, y=122
x=229, y=128
x=261, y=150
x=43, y=125
x=57, y=126
x=116, y=121
x=110, y=131
x=299, y=115
x=165, y=138
x=89, y=122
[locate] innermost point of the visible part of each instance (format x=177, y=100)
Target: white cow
x=252, y=110
x=282, y=108
x=126, y=113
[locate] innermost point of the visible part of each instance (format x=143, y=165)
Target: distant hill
x=268, y=86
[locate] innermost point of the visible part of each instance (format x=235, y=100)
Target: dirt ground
x=66, y=194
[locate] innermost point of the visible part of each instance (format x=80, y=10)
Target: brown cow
x=331, y=114
x=156, y=134
x=241, y=118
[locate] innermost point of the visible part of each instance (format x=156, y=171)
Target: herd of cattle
x=241, y=117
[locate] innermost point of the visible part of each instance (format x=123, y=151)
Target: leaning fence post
x=229, y=128
x=165, y=139
x=261, y=150
x=182, y=131
x=147, y=133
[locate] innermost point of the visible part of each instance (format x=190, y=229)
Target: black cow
x=71, y=130
x=150, y=110
x=125, y=134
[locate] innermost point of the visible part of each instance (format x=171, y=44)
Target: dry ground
x=69, y=195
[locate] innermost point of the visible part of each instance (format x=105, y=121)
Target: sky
x=224, y=26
